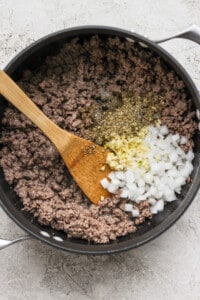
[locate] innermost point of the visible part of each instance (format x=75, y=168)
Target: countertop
x=166, y=268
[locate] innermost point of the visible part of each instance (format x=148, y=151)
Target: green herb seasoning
x=123, y=115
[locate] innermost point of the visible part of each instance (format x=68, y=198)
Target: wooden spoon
x=84, y=159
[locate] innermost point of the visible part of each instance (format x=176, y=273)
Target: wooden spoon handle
x=11, y=91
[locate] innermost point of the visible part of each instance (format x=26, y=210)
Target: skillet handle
x=7, y=243
x=191, y=33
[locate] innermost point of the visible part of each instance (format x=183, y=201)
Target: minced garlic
x=128, y=152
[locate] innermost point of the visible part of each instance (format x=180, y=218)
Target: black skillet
x=33, y=56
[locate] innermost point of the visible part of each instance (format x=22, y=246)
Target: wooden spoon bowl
x=85, y=160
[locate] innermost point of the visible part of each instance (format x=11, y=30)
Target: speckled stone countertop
x=166, y=268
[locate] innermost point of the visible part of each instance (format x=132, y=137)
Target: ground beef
x=66, y=87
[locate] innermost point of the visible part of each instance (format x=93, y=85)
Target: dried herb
x=124, y=114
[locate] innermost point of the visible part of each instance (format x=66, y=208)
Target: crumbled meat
x=66, y=87
x=144, y=209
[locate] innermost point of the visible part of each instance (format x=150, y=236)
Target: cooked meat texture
x=66, y=87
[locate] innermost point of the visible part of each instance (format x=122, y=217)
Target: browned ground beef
x=66, y=87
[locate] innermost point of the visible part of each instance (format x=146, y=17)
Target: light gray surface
x=168, y=267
